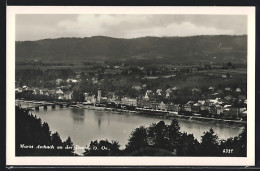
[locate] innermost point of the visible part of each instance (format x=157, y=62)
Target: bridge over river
x=37, y=105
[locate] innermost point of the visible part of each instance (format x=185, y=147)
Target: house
x=146, y=97
x=60, y=96
x=90, y=99
x=170, y=106
x=103, y=100
x=214, y=101
x=167, y=95
x=228, y=98
x=58, y=81
x=187, y=107
x=168, y=90
x=191, y=102
x=149, y=92
x=216, y=109
x=174, y=88
x=196, y=107
x=211, y=88
x=141, y=68
x=138, y=88
x=201, y=101
x=51, y=92
x=154, y=104
x=78, y=76
x=162, y=106
x=227, y=106
x=25, y=88
x=227, y=89
x=36, y=92
x=143, y=103
x=128, y=101
x=195, y=90
x=231, y=112
x=176, y=107
x=41, y=92
x=204, y=110
x=59, y=91
x=85, y=95
x=203, y=107
x=94, y=80
x=214, y=95
x=112, y=97
x=238, y=90
x=159, y=92
x=72, y=80
x=45, y=92
x=68, y=95
x=19, y=90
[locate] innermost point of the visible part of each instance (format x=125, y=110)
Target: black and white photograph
x=123, y=83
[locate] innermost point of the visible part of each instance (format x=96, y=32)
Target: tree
x=56, y=140
x=46, y=138
x=174, y=134
x=138, y=139
x=102, y=148
x=30, y=130
x=228, y=75
x=158, y=135
x=234, y=146
x=209, y=143
x=188, y=146
x=68, y=147
x=77, y=94
x=242, y=143
x=229, y=64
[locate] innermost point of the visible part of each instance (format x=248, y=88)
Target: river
x=84, y=125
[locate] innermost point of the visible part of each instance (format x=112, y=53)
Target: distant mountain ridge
x=166, y=49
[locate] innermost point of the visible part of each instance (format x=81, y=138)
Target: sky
x=45, y=26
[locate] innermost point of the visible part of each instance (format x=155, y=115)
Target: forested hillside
x=218, y=48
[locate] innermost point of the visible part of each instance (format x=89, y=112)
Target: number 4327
x=227, y=151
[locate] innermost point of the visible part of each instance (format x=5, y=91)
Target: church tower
x=99, y=95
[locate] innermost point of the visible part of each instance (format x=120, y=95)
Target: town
x=206, y=90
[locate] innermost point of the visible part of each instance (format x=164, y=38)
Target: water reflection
x=99, y=117
x=78, y=115
x=84, y=125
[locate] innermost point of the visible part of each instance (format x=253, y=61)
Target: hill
x=158, y=49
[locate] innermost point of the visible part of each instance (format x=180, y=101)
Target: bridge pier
x=61, y=105
x=37, y=108
x=53, y=106
x=45, y=107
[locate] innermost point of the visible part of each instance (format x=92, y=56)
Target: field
x=218, y=78
x=203, y=79
x=77, y=68
x=223, y=71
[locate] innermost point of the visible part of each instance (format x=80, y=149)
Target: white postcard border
x=126, y=161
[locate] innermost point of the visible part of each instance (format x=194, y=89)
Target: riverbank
x=148, y=113
x=174, y=115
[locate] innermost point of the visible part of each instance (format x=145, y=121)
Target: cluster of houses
x=214, y=106
x=209, y=107
x=60, y=93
